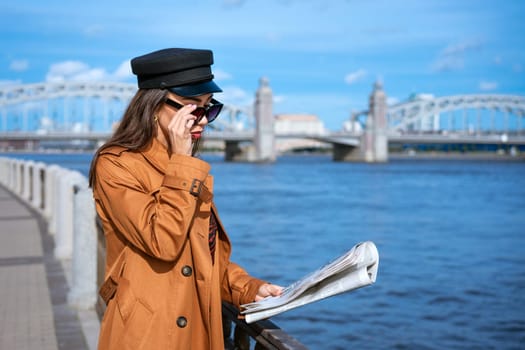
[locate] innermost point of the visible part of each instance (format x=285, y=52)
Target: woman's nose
x=203, y=121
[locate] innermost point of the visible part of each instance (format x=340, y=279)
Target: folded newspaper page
x=355, y=269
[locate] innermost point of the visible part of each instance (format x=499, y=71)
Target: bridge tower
x=264, y=132
x=375, y=140
x=262, y=150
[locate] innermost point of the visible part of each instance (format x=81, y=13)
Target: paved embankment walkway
x=34, y=313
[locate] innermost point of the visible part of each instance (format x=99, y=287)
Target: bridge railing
x=64, y=199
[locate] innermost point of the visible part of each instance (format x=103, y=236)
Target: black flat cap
x=186, y=72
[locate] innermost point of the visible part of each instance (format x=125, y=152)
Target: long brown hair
x=137, y=127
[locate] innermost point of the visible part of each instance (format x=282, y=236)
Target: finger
x=275, y=290
x=270, y=289
x=190, y=121
x=183, y=119
x=184, y=111
x=187, y=109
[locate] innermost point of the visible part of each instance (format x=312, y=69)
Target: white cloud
x=279, y=98
x=240, y=97
x=461, y=48
x=355, y=76
x=392, y=101
x=67, y=70
x=123, y=71
x=236, y=96
x=95, y=74
x=452, y=57
x=19, y=65
x=488, y=85
x=219, y=74
x=448, y=63
x=80, y=71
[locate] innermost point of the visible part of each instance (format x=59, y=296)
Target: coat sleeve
x=156, y=223
x=239, y=287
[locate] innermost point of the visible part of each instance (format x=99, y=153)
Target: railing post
x=18, y=177
x=241, y=339
x=83, y=293
x=265, y=333
x=49, y=200
x=64, y=207
x=38, y=185
x=3, y=170
x=10, y=169
x=12, y=177
x=26, y=186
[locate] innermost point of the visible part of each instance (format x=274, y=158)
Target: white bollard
x=83, y=292
x=38, y=186
x=3, y=171
x=27, y=178
x=64, y=215
x=8, y=172
x=18, y=177
x=12, y=174
x=51, y=175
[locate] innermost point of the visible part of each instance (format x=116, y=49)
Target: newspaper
x=355, y=269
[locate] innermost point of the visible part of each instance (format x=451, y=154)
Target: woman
x=167, y=254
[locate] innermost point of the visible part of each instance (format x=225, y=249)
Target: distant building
x=303, y=124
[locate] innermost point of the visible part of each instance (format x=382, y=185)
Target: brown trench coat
x=162, y=289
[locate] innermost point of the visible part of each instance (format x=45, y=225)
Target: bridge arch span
x=16, y=94
x=404, y=115
x=95, y=105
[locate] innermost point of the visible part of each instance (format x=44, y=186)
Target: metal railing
x=64, y=199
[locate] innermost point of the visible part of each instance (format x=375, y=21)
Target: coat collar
x=157, y=155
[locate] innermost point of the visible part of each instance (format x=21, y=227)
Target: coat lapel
x=156, y=155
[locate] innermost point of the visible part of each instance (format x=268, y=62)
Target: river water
x=450, y=235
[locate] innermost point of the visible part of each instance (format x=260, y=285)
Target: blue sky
x=320, y=56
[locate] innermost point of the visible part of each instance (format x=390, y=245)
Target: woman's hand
x=179, y=130
x=268, y=289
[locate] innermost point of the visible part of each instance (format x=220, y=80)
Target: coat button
x=186, y=270
x=182, y=322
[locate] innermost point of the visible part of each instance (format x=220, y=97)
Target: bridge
x=32, y=115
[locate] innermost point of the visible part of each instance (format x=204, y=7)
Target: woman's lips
x=196, y=135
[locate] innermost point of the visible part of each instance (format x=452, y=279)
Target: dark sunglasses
x=211, y=112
